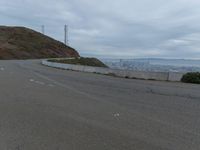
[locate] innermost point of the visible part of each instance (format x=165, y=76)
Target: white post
x=43, y=32
x=66, y=35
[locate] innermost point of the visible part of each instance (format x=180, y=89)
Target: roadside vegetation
x=191, y=77
x=81, y=61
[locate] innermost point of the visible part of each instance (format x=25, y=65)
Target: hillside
x=24, y=43
x=81, y=61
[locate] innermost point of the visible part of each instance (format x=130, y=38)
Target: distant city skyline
x=154, y=65
x=114, y=29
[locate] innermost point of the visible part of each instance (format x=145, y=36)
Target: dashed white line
x=2, y=69
x=51, y=85
x=116, y=115
x=39, y=82
x=31, y=80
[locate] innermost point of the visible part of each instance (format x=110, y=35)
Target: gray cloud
x=121, y=28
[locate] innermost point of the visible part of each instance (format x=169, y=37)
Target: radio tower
x=66, y=35
x=43, y=32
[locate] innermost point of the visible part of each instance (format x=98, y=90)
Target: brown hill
x=24, y=43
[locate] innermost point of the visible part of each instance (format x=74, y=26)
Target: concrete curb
x=161, y=76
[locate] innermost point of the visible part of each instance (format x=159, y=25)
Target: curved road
x=44, y=108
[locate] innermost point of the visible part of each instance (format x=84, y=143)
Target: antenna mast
x=66, y=35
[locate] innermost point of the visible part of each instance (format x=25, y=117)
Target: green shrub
x=191, y=77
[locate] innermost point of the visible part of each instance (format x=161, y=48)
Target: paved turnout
x=44, y=108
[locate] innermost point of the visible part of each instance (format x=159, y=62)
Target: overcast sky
x=114, y=28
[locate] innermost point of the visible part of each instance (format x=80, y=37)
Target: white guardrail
x=161, y=76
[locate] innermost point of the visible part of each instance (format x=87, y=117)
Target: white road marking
x=51, y=85
x=116, y=115
x=31, y=80
x=41, y=83
x=65, y=86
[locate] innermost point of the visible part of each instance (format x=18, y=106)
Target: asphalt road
x=44, y=108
